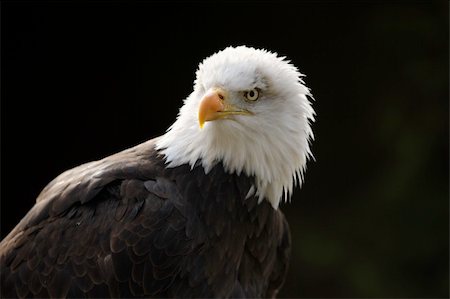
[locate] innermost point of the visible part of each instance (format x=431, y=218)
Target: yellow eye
x=252, y=95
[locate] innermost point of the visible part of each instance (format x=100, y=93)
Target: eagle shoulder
x=81, y=184
x=98, y=225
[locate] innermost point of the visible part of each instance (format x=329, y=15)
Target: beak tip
x=201, y=120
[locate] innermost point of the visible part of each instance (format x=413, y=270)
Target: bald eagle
x=192, y=213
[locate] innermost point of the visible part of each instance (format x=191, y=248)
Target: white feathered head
x=249, y=110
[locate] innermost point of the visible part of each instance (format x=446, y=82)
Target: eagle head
x=250, y=111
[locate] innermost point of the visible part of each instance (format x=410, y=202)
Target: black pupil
x=251, y=93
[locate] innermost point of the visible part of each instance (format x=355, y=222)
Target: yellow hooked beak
x=214, y=105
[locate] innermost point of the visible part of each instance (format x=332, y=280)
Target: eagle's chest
x=236, y=235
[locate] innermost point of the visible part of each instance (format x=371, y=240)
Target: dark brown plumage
x=127, y=226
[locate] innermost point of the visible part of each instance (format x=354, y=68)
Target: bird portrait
x=194, y=212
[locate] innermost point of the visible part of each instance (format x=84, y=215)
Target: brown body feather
x=127, y=226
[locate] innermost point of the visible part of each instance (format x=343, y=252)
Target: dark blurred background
x=82, y=81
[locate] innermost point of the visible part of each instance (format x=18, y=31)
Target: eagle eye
x=252, y=95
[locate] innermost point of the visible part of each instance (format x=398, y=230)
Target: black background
x=82, y=81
